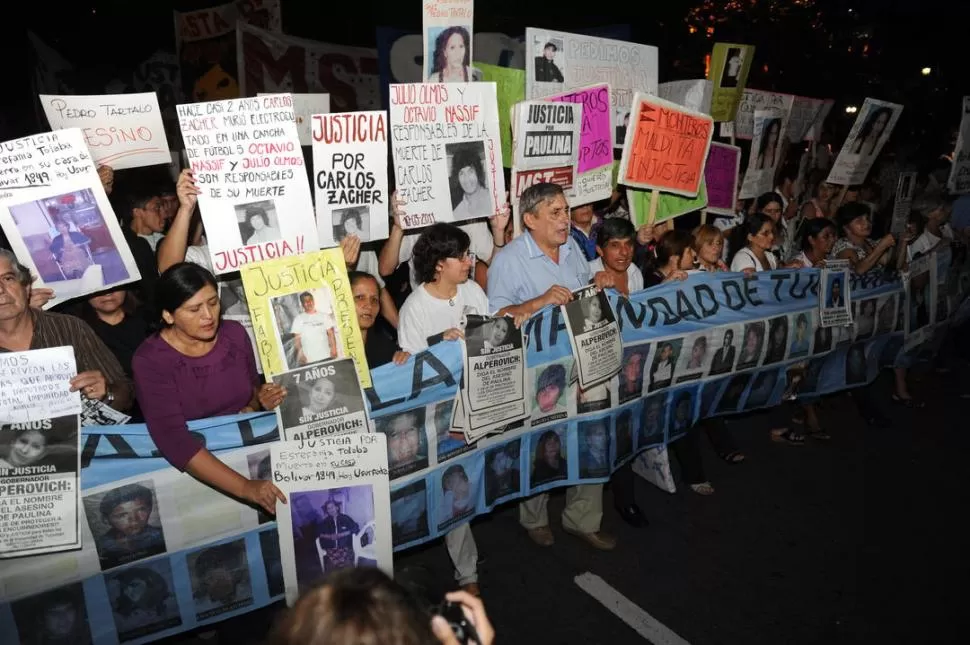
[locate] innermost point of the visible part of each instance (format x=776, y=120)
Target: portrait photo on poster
x=407, y=443
x=260, y=468
x=726, y=352
x=457, y=494
x=768, y=144
x=503, y=473
x=50, y=443
x=143, y=600
x=409, y=513
x=306, y=327
x=448, y=59
x=220, y=579
x=623, y=424
x=594, y=337
x=855, y=364
x=833, y=294
x=547, y=68
x=333, y=529
x=801, y=336
x=594, y=448
x=56, y=616
x=68, y=240
x=552, y=391
x=258, y=222
x=777, y=344
x=695, y=358
x=868, y=142
x=864, y=318
x=682, y=410
x=448, y=446
x=354, y=220
x=484, y=335
x=125, y=523
x=594, y=398
x=662, y=367
x=752, y=345
x=269, y=549
x=733, y=64
x=471, y=195
x=322, y=399
x=654, y=420
x=549, y=456
x=630, y=378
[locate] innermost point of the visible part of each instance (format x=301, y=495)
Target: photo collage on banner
x=868, y=135
x=594, y=336
x=339, y=511
x=304, y=107
x=322, y=399
x=255, y=199
x=57, y=217
x=833, y=294
x=546, y=140
x=557, y=61
x=350, y=176
x=40, y=469
x=767, y=149
x=447, y=31
x=493, y=392
x=730, y=64
x=446, y=150
x=121, y=130
x=303, y=312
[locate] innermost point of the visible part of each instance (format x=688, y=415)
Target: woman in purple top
x=196, y=367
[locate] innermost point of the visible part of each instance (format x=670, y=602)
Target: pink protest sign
x=596, y=136
x=721, y=173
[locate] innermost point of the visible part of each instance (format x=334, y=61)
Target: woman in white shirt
x=753, y=240
x=445, y=294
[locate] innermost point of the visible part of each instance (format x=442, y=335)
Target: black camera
x=463, y=628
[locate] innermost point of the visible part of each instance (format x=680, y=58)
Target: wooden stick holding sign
x=654, y=201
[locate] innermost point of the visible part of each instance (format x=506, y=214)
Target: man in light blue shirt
x=542, y=267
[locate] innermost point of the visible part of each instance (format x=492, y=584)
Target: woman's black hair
x=671, y=244
x=763, y=146
x=871, y=119
x=555, y=375
x=357, y=276
x=849, y=212
x=766, y=198
x=750, y=226
x=812, y=228
x=256, y=212
x=438, y=242
x=179, y=283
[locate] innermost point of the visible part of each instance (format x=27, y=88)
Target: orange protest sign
x=666, y=147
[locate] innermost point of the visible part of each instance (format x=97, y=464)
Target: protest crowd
x=183, y=342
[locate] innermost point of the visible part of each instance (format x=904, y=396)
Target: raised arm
x=171, y=249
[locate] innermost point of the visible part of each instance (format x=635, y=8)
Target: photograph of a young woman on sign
x=51, y=442
x=549, y=458
x=458, y=496
x=867, y=141
x=55, y=617
x=751, y=348
x=351, y=221
x=449, y=58
x=143, y=599
x=594, y=448
x=801, y=341
x=220, y=579
x=777, y=340
x=695, y=360
x=723, y=361
x=471, y=196
x=68, y=239
x=407, y=445
x=768, y=150
x=258, y=222
x=664, y=361
x=503, y=474
x=409, y=513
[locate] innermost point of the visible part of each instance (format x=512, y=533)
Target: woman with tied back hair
x=751, y=244
x=452, y=57
x=365, y=607
x=673, y=258
x=199, y=366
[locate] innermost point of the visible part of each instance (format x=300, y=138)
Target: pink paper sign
x=721, y=173
x=596, y=137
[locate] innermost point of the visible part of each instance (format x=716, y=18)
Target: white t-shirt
x=925, y=242
x=312, y=329
x=634, y=278
x=423, y=315
x=153, y=239
x=745, y=259
x=199, y=255
x=481, y=245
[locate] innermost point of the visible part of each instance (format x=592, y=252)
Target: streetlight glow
x=851, y=109
x=926, y=71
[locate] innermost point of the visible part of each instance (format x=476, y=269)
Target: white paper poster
x=557, y=61
x=868, y=135
x=57, y=218
x=903, y=205
x=323, y=399
x=350, y=176
x=120, y=130
x=36, y=384
x=834, y=302
x=594, y=336
x=493, y=383
x=447, y=29
x=447, y=151
x=959, y=181
x=40, y=465
x=694, y=95
x=247, y=160
x=767, y=150
x=304, y=107
x=339, y=501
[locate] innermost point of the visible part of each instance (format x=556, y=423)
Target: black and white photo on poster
x=864, y=315
x=545, y=134
x=98, y=413
x=903, y=204
x=593, y=335
x=683, y=402
x=696, y=356
x=630, y=378
x=143, y=600
x=55, y=617
x=125, y=522
x=40, y=486
x=833, y=295
x=322, y=399
x=493, y=382
x=503, y=471
x=339, y=514
x=220, y=579
x=552, y=391
x=732, y=394
x=407, y=442
x=664, y=363
x=776, y=344
x=725, y=339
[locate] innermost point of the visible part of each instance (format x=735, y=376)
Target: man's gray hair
x=536, y=194
x=21, y=272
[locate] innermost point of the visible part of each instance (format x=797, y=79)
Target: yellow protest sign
x=303, y=311
x=509, y=90
x=728, y=73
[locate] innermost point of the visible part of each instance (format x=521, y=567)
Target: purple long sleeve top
x=173, y=388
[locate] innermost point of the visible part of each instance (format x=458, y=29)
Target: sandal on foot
x=733, y=457
x=703, y=488
x=908, y=402
x=789, y=436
